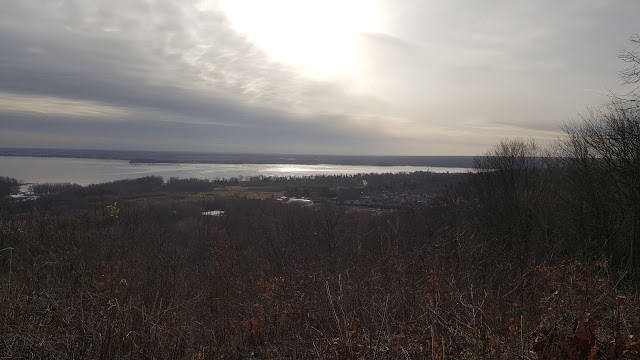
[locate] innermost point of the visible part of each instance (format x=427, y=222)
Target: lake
x=92, y=171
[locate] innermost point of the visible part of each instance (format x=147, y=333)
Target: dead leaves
x=622, y=343
x=578, y=346
x=581, y=345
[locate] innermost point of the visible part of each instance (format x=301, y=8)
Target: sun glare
x=319, y=37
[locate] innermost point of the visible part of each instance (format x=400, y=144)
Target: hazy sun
x=320, y=37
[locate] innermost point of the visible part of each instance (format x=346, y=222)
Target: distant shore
x=157, y=157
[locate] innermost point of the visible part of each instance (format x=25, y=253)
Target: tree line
x=582, y=193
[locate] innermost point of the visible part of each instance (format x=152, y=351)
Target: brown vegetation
x=271, y=280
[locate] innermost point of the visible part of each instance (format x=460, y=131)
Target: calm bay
x=91, y=171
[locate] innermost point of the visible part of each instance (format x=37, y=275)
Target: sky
x=356, y=77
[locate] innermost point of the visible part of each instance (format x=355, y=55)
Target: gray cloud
x=445, y=79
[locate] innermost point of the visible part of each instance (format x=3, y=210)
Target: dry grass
x=247, y=192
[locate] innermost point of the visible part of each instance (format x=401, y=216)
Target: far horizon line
x=222, y=152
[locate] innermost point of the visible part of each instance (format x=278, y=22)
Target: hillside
x=133, y=269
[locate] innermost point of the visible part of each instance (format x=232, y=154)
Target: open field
x=247, y=192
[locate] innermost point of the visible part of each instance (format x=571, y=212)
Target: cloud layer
x=431, y=78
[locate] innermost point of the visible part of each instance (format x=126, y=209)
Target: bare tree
x=329, y=221
x=509, y=183
x=607, y=142
x=631, y=74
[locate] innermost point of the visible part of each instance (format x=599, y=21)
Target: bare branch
x=631, y=74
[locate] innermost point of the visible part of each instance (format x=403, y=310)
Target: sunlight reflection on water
x=91, y=171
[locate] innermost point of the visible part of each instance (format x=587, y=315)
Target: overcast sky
x=410, y=77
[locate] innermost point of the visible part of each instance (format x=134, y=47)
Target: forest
x=534, y=255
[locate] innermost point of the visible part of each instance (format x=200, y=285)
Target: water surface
x=92, y=171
